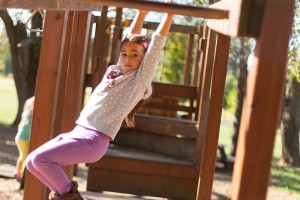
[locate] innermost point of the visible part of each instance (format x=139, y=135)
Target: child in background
x=114, y=100
x=23, y=136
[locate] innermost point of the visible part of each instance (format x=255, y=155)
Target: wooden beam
x=193, y=30
x=100, y=49
x=211, y=137
x=188, y=63
x=181, y=9
x=204, y=90
x=49, y=5
x=50, y=64
x=117, y=37
x=245, y=17
x=76, y=70
x=159, y=6
x=262, y=104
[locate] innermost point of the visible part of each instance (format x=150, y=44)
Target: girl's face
x=131, y=56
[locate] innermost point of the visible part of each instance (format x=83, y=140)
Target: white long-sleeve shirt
x=110, y=102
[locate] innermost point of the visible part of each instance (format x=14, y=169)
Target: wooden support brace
x=50, y=63
x=181, y=9
x=214, y=118
x=262, y=104
x=62, y=65
x=204, y=91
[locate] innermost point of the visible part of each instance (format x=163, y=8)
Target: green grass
x=8, y=101
x=286, y=178
x=283, y=177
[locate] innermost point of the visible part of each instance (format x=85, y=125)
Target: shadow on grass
x=286, y=178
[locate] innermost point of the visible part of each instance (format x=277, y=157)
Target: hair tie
x=145, y=45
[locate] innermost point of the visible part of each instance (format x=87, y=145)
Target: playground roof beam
x=180, y=9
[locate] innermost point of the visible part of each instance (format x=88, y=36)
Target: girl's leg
x=80, y=145
x=23, y=147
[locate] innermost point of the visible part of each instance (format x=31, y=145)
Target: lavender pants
x=81, y=145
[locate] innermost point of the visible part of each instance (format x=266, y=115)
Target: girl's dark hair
x=129, y=119
x=143, y=40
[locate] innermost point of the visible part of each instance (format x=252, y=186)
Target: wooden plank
x=117, y=37
x=196, y=73
x=94, y=5
x=199, y=68
x=142, y=184
x=180, y=91
x=262, y=104
x=245, y=17
x=166, y=126
x=49, y=5
x=172, y=107
x=100, y=50
x=75, y=80
x=143, y=173
x=50, y=63
x=206, y=78
x=214, y=118
x=73, y=90
x=193, y=30
x=147, y=141
x=133, y=159
x=188, y=62
x=59, y=96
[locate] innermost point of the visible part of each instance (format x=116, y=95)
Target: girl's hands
x=143, y=12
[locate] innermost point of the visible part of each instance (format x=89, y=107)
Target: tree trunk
x=242, y=79
x=290, y=125
x=25, y=54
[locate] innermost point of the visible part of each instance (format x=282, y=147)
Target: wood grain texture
x=214, y=118
x=262, y=104
x=245, y=17
x=50, y=5
x=50, y=64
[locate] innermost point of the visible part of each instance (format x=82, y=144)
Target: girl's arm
x=164, y=26
x=138, y=21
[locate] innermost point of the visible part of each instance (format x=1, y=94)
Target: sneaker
x=18, y=178
x=73, y=194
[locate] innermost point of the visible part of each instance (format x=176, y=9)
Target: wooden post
x=50, y=64
x=77, y=68
x=188, y=59
x=100, y=49
x=115, y=50
x=66, y=88
x=205, y=87
x=70, y=91
x=262, y=104
x=207, y=167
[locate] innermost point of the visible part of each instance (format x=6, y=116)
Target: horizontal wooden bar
x=186, y=29
x=180, y=9
x=49, y=5
x=94, y=5
x=166, y=125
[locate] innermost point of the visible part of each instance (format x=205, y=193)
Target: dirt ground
x=9, y=187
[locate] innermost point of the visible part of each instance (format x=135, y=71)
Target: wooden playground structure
x=163, y=155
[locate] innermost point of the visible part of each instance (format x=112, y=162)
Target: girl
x=112, y=101
x=23, y=136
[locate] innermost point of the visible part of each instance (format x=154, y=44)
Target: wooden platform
x=142, y=173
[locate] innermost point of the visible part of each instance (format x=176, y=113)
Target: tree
x=242, y=72
x=290, y=125
x=24, y=50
